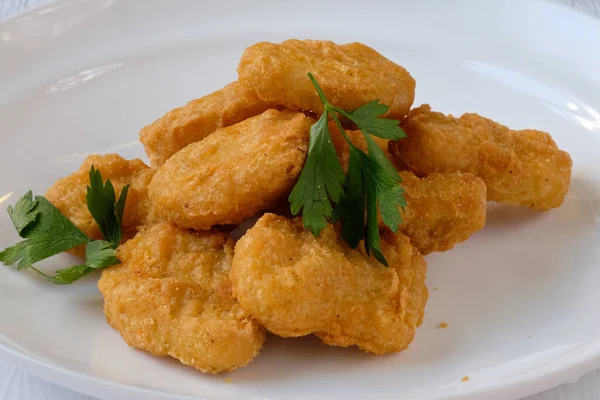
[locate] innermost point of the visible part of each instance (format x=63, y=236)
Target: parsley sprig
x=372, y=182
x=107, y=213
x=47, y=232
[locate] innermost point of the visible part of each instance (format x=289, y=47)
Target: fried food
x=523, y=168
x=295, y=284
x=234, y=173
x=68, y=194
x=171, y=296
x=443, y=208
x=350, y=75
x=199, y=118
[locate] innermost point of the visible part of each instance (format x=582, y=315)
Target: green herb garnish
x=372, y=182
x=47, y=232
x=100, y=199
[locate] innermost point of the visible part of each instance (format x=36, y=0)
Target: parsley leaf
x=108, y=215
x=390, y=194
x=372, y=181
x=351, y=209
x=24, y=212
x=321, y=180
x=366, y=118
x=48, y=232
x=98, y=254
x=69, y=275
x=368, y=183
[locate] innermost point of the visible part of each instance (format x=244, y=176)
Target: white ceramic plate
x=521, y=297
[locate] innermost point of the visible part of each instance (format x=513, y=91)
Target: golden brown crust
x=234, y=173
x=68, y=194
x=350, y=75
x=443, y=208
x=295, y=284
x=171, y=296
x=523, y=168
x=199, y=118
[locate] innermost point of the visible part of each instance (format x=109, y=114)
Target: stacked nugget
x=183, y=291
x=521, y=168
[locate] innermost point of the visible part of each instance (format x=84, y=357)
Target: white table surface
x=16, y=384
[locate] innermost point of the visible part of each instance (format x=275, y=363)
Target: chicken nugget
x=523, y=168
x=234, y=173
x=295, y=284
x=69, y=194
x=443, y=209
x=171, y=296
x=199, y=118
x=350, y=75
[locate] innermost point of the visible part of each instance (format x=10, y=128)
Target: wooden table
x=16, y=384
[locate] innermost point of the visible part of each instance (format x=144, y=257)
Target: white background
x=16, y=384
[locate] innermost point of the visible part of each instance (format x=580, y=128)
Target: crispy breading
x=523, y=168
x=234, y=173
x=68, y=194
x=295, y=284
x=198, y=119
x=171, y=296
x=350, y=75
x=443, y=208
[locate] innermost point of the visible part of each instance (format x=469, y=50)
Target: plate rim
x=66, y=377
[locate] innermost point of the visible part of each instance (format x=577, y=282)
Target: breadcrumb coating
x=522, y=168
x=350, y=75
x=171, y=296
x=69, y=194
x=198, y=119
x=234, y=173
x=295, y=284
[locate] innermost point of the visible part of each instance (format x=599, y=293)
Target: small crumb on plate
x=465, y=378
x=228, y=380
x=435, y=288
x=442, y=325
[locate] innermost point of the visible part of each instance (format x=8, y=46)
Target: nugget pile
x=185, y=289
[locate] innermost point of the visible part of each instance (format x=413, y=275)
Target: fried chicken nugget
x=351, y=75
x=443, y=209
x=295, y=284
x=68, y=194
x=523, y=168
x=171, y=296
x=234, y=173
x=199, y=118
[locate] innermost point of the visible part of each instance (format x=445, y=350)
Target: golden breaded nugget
x=199, y=118
x=295, y=284
x=68, y=194
x=523, y=168
x=233, y=173
x=443, y=208
x=351, y=75
x=171, y=296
